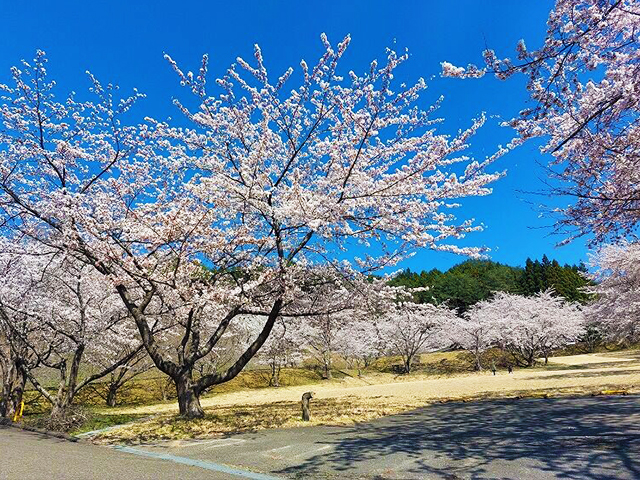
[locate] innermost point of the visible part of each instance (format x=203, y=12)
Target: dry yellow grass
x=241, y=418
x=591, y=358
x=352, y=399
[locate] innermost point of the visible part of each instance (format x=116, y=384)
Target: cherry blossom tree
x=409, y=329
x=531, y=327
x=358, y=342
x=321, y=338
x=616, y=309
x=352, y=332
x=584, y=83
x=282, y=349
x=61, y=312
x=245, y=211
x=475, y=332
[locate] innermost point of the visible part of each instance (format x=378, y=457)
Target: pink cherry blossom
x=584, y=84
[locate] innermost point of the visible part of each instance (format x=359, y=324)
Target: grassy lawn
x=349, y=399
x=99, y=421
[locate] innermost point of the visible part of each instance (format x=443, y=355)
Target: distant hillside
x=473, y=280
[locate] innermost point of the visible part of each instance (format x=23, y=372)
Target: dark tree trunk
x=407, y=365
x=59, y=410
x=188, y=397
x=67, y=385
x=531, y=360
x=163, y=384
x=6, y=408
x=111, y=395
x=62, y=402
x=274, y=381
x=325, y=359
x=478, y=365
x=12, y=392
x=4, y=404
x=18, y=392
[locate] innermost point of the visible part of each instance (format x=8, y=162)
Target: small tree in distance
x=410, y=329
x=322, y=338
x=282, y=349
x=359, y=343
x=474, y=332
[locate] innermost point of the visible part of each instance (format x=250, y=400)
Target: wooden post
x=306, y=414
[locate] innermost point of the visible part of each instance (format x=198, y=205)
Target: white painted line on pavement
x=326, y=447
x=279, y=448
x=226, y=444
x=273, y=453
x=219, y=442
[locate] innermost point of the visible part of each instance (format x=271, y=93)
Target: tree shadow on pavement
x=572, y=438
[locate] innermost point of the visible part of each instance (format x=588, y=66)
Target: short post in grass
x=306, y=413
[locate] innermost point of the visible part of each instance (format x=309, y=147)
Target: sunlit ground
x=351, y=399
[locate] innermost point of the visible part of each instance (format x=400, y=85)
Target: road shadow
x=575, y=438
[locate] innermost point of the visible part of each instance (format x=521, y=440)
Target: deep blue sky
x=123, y=42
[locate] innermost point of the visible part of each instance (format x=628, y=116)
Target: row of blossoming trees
x=526, y=328
x=268, y=205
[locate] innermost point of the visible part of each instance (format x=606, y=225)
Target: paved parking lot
x=594, y=437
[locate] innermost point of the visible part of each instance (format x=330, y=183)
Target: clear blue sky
x=123, y=42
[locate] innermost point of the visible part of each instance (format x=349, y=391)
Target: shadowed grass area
x=88, y=421
x=233, y=419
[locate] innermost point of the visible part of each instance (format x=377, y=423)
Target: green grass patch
x=98, y=421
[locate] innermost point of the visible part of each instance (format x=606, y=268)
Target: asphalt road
x=595, y=437
x=30, y=456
